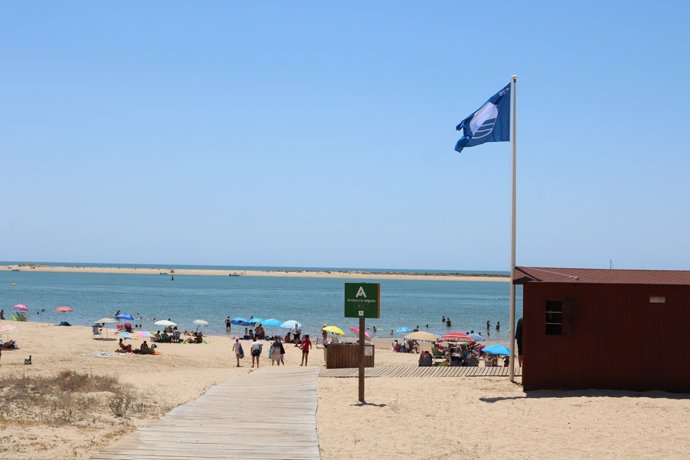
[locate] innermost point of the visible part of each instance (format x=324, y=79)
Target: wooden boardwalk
x=436, y=371
x=267, y=414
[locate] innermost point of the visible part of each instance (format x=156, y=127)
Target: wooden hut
x=606, y=329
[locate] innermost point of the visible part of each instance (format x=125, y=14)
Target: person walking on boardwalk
x=237, y=349
x=305, y=345
x=277, y=351
x=256, y=352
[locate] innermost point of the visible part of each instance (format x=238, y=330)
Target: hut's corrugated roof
x=600, y=276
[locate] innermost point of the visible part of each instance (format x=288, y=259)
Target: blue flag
x=491, y=123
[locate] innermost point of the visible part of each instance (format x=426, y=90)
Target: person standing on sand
x=276, y=353
x=237, y=349
x=282, y=353
x=305, y=345
x=256, y=352
x=296, y=333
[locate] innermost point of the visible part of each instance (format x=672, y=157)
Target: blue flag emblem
x=491, y=123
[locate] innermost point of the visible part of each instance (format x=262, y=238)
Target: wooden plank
x=208, y=427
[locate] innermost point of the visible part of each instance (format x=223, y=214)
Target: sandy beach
x=405, y=418
x=346, y=274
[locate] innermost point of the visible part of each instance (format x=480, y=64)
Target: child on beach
x=305, y=345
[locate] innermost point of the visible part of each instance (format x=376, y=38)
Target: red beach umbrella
x=64, y=309
x=21, y=306
x=355, y=331
x=456, y=337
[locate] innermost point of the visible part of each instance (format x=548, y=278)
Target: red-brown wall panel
x=614, y=338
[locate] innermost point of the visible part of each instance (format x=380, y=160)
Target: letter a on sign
x=361, y=293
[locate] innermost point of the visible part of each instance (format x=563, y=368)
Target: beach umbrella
x=497, y=349
x=239, y=321
x=164, y=323
x=456, y=337
x=403, y=330
x=21, y=306
x=334, y=329
x=146, y=334
x=124, y=335
x=422, y=335
x=289, y=324
x=125, y=316
x=64, y=309
x=255, y=321
x=477, y=337
x=272, y=322
x=106, y=320
x=355, y=331
x=200, y=322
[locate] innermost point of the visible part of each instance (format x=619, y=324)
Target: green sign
x=362, y=297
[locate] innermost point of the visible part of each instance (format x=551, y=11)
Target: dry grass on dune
x=68, y=397
x=41, y=412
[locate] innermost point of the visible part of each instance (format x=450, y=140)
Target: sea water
x=312, y=301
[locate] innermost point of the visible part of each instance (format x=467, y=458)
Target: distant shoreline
x=291, y=273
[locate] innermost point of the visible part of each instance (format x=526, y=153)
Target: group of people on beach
x=276, y=352
x=144, y=349
x=405, y=346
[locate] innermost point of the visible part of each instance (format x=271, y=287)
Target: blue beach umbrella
x=477, y=337
x=403, y=330
x=239, y=321
x=497, y=349
x=272, y=322
x=256, y=321
x=125, y=316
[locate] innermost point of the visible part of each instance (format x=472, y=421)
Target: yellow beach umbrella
x=334, y=329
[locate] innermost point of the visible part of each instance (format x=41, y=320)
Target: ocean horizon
x=312, y=301
x=259, y=267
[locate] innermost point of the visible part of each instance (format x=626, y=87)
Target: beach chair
x=96, y=330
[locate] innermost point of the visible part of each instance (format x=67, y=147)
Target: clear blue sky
x=316, y=134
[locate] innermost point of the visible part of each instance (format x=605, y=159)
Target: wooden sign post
x=362, y=300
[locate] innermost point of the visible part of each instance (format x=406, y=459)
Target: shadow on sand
x=534, y=394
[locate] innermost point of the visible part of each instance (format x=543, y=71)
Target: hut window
x=554, y=317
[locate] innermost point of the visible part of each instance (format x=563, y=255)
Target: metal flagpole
x=512, y=241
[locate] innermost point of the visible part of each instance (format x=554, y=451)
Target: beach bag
x=241, y=352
